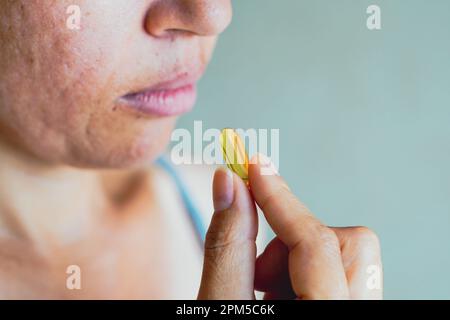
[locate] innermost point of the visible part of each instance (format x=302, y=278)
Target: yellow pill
x=234, y=153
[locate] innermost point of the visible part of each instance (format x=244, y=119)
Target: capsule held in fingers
x=234, y=153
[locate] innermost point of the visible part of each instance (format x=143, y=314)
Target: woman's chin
x=128, y=148
x=139, y=151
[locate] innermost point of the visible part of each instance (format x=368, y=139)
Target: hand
x=306, y=260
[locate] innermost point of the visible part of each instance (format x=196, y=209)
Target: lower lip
x=162, y=103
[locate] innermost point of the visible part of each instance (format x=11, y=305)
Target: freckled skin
x=59, y=113
x=58, y=87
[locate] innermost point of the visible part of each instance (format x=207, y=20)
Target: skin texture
x=76, y=187
x=306, y=259
x=59, y=86
x=58, y=114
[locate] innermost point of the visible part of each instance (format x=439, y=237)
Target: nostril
x=187, y=18
x=173, y=34
x=170, y=33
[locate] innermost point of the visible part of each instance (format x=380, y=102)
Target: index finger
x=289, y=218
x=315, y=263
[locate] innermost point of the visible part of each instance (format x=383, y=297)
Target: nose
x=198, y=17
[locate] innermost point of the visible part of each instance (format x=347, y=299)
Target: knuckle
x=329, y=243
x=327, y=237
x=222, y=232
x=366, y=239
x=217, y=252
x=222, y=250
x=216, y=240
x=321, y=239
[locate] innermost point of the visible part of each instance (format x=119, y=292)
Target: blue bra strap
x=191, y=208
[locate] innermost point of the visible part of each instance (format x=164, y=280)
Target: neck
x=47, y=205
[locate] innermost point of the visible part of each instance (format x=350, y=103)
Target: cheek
x=97, y=134
x=61, y=87
x=70, y=111
x=60, y=91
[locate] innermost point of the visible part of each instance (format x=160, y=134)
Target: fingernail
x=223, y=189
x=267, y=168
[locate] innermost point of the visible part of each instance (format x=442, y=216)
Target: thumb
x=230, y=247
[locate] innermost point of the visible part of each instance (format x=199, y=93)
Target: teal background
x=363, y=118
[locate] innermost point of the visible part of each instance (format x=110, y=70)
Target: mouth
x=170, y=98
